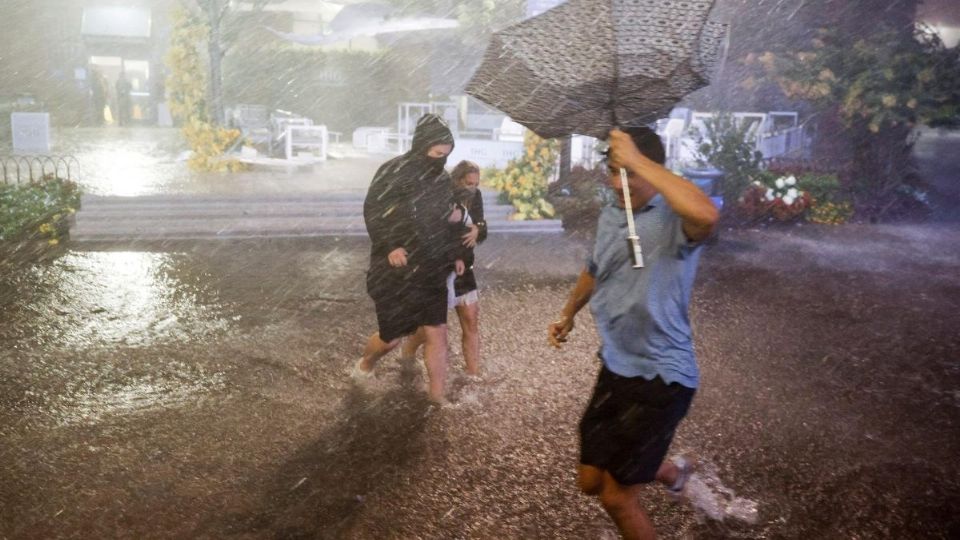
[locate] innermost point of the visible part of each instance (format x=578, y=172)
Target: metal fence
x=37, y=168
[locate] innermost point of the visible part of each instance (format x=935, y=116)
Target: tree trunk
x=215, y=50
x=565, y=158
x=883, y=163
x=216, y=77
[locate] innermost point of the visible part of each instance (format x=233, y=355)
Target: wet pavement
x=199, y=389
x=151, y=161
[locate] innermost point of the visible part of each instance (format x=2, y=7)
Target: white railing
x=773, y=134
x=372, y=139
x=787, y=143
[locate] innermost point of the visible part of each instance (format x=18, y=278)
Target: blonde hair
x=463, y=169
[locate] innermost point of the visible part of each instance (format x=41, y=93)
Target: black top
x=468, y=281
x=407, y=205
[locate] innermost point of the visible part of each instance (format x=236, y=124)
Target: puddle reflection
x=133, y=298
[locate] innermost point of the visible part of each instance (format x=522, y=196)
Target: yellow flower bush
x=209, y=142
x=523, y=183
x=830, y=213
x=187, y=85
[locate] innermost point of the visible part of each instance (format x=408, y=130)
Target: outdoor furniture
x=308, y=137
x=253, y=121
x=372, y=139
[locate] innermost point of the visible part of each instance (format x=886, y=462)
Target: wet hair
x=648, y=142
x=463, y=169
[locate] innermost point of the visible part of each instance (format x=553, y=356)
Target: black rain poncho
x=407, y=205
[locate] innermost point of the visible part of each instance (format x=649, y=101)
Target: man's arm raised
x=696, y=210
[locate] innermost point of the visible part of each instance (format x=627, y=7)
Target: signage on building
x=536, y=7
x=116, y=21
x=31, y=132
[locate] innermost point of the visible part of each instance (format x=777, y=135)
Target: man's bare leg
x=621, y=502
x=435, y=357
x=375, y=350
x=411, y=343
x=668, y=473
x=469, y=323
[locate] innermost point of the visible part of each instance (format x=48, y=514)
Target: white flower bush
x=777, y=196
x=783, y=190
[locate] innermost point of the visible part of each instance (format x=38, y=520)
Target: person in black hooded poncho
x=408, y=213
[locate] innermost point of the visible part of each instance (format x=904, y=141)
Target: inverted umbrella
x=588, y=66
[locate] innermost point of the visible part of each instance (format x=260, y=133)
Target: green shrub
x=579, y=197
x=37, y=210
x=727, y=146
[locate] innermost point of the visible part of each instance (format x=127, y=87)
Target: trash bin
x=710, y=180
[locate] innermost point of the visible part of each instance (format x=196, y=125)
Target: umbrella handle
x=633, y=241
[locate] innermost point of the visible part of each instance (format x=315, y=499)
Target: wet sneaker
x=698, y=494
x=443, y=405
x=360, y=375
x=686, y=467
x=701, y=488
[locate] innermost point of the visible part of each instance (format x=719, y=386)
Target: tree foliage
x=726, y=145
x=882, y=80
x=875, y=88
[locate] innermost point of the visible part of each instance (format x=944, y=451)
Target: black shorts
x=402, y=311
x=629, y=424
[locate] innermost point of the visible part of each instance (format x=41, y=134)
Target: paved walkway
x=150, y=161
x=140, y=188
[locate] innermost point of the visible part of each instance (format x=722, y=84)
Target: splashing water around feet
x=712, y=500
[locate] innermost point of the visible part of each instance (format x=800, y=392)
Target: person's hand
x=470, y=238
x=623, y=152
x=456, y=215
x=398, y=257
x=558, y=330
x=459, y=267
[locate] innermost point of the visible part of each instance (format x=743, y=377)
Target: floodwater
x=152, y=161
x=200, y=389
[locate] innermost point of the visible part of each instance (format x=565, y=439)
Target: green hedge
x=37, y=211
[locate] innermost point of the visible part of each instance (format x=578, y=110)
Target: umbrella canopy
x=588, y=66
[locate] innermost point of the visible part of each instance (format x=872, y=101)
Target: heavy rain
x=225, y=226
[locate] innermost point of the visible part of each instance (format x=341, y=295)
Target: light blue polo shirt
x=641, y=313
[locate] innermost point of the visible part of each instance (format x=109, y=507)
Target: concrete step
x=277, y=226
x=107, y=213
x=115, y=235
x=175, y=217
x=268, y=223
x=355, y=197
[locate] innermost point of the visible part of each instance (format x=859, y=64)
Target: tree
x=187, y=84
x=878, y=87
x=224, y=21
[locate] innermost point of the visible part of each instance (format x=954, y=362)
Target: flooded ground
x=152, y=161
x=200, y=390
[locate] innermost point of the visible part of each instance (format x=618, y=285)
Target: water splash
x=712, y=500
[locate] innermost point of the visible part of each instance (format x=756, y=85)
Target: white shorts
x=464, y=299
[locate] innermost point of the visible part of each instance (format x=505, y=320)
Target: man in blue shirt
x=649, y=373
